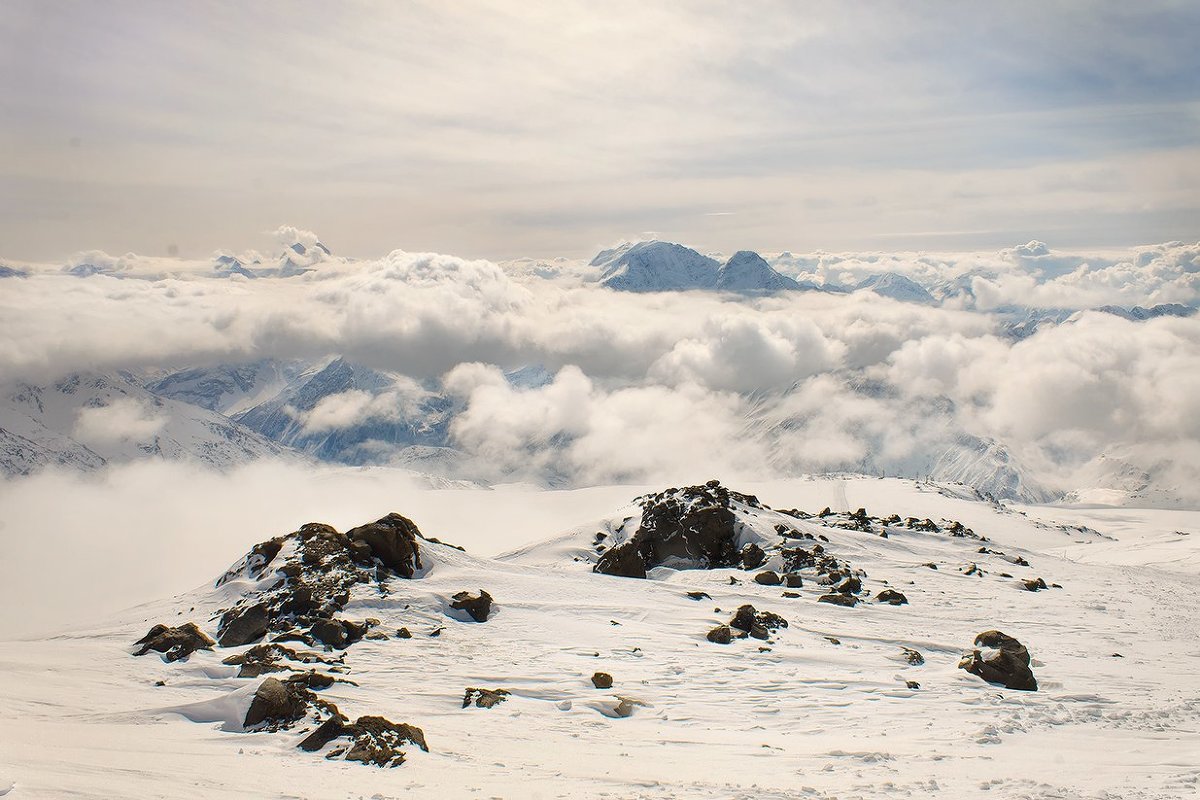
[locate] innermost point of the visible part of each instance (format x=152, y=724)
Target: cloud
x=122, y=420
x=354, y=407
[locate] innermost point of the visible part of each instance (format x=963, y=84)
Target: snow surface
x=80, y=717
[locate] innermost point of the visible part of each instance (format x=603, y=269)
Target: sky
x=506, y=129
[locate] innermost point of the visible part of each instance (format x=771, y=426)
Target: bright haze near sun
x=503, y=267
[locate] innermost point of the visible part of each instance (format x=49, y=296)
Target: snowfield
x=823, y=709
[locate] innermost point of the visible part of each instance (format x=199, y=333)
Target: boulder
x=849, y=585
x=1034, y=584
x=768, y=578
x=277, y=704
x=392, y=540
x=243, y=625
x=752, y=556
x=847, y=600
x=913, y=657
x=891, y=597
x=722, y=634
x=602, y=680
x=792, y=580
x=175, y=644
x=1002, y=660
x=478, y=606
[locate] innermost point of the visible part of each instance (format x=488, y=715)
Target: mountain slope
x=748, y=273
x=655, y=267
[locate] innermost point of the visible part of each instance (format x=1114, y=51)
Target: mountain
x=897, y=287
x=987, y=467
x=12, y=272
x=227, y=388
x=1140, y=314
x=655, y=267
x=748, y=273
x=350, y=414
x=87, y=419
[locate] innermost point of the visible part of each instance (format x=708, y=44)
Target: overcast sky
x=502, y=129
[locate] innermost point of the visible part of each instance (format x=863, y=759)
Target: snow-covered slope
x=227, y=388
x=988, y=468
x=86, y=420
x=864, y=701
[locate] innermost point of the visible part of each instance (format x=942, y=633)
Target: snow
x=81, y=717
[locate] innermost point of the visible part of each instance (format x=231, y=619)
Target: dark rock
x=392, y=540
x=759, y=624
x=484, y=698
x=1034, y=584
x=720, y=635
x=768, y=578
x=848, y=600
x=699, y=595
x=376, y=740
x=753, y=556
x=624, y=561
x=912, y=684
x=404, y=633
x=478, y=606
x=277, y=704
x=175, y=644
x=1006, y=663
x=330, y=632
x=791, y=595
x=891, y=597
x=792, y=580
x=244, y=625
x=602, y=680
x=265, y=658
x=325, y=733
x=913, y=657
x=849, y=585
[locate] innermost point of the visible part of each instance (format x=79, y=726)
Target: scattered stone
x=403, y=633
x=891, y=597
x=849, y=585
x=278, y=704
x=602, y=680
x=930, y=564
x=913, y=657
x=484, y=698
x=833, y=640
x=436, y=632
x=1034, y=584
x=175, y=644
x=912, y=684
x=791, y=595
x=1004, y=661
x=768, y=578
x=792, y=580
x=699, y=595
x=376, y=740
x=265, y=658
x=478, y=606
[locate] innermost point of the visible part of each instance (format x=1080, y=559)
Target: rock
x=699, y=595
x=241, y=626
x=848, y=600
x=1005, y=661
x=1034, y=584
x=912, y=684
x=752, y=556
x=913, y=657
x=478, y=606
x=759, y=624
x=175, y=644
x=625, y=706
x=791, y=595
x=849, y=585
x=404, y=633
x=376, y=740
x=768, y=578
x=331, y=633
x=623, y=561
x=792, y=580
x=602, y=680
x=265, y=658
x=891, y=597
x=484, y=698
x=276, y=704
x=722, y=634
x=392, y=540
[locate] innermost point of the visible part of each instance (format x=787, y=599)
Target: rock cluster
x=175, y=644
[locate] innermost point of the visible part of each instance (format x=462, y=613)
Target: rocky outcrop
x=759, y=624
x=891, y=597
x=1002, y=660
x=690, y=528
x=175, y=644
x=393, y=541
x=266, y=658
x=280, y=704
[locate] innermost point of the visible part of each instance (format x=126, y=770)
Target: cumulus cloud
x=355, y=406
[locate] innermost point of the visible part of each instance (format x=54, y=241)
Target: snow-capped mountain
x=656, y=267
x=86, y=420
x=747, y=272
x=228, y=388
x=897, y=287
x=991, y=470
x=1139, y=314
